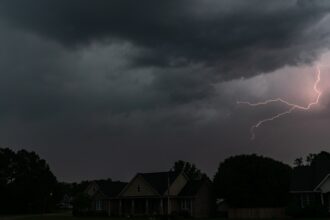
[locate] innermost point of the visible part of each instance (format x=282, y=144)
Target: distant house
x=104, y=195
x=161, y=193
x=310, y=187
x=66, y=202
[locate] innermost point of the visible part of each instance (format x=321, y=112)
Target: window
x=183, y=204
x=305, y=200
x=98, y=205
x=138, y=188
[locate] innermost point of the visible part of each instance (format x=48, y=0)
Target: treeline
x=27, y=184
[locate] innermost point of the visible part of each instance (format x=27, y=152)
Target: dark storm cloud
x=229, y=35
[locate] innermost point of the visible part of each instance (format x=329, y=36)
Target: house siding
x=177, y=185
x=203, y=202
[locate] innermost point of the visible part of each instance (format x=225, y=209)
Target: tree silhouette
x=298, y=162
x=188, y=168
x=253, y=181
x=310, y=158
x=26, y=182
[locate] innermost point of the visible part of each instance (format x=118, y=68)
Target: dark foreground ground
x=61, y=216
x=68, y=216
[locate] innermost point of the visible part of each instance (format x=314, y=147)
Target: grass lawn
x=68, y=216
x=55, y=217
x=60, y=216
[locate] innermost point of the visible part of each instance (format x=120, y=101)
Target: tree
x=298, y=162
x=253, y=181
x=7, y=172
x=188, y=168
x=27, y=184
x=310, y=158
x=313, y=159
x=322, y=157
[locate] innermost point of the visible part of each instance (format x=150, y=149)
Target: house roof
x=320, y=170
x=191, y=188
x=307, y=178
x=111, y=189
x=302, y=179
x=160, y=180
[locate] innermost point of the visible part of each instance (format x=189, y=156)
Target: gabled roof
x=109, y=188
x=321, y=169
x=318, y=187
x=160, y=180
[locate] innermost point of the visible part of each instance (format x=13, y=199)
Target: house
x=66, y=202
x=104, y=195
x=150, y=194
x=310, y=188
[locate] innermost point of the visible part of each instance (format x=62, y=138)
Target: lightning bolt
x=291, y=106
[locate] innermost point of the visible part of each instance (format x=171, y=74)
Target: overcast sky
x=108, y=88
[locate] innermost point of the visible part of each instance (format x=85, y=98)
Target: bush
x=309, y=211
x=182, y=213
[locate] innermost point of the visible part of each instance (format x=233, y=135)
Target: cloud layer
x=141, y=84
